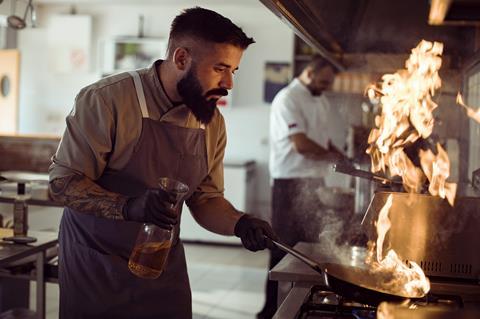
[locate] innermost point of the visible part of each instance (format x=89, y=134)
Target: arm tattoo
x=84, y=195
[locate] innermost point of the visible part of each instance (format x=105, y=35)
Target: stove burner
x=323, y=303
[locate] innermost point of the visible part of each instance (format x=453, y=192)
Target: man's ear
x=182, y=58
x=310, y=75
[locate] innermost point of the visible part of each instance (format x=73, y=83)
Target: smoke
x=337, y=231
x=332, y=234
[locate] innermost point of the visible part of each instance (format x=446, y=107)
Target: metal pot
x=442, y=239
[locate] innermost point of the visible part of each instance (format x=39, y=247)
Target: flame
x=399, y=277
x=474, y=115
x=437, y=169
x=406, y=100
x=386, y=310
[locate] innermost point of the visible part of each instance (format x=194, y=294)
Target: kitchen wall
x=46, y=97
x=5, y=8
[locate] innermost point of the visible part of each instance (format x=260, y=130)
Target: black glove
x=154, y=206
x=254, y=233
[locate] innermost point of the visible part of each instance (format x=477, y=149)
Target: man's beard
x=316, y=91
x=190, y=90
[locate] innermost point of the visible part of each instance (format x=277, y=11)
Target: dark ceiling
x=381, y=26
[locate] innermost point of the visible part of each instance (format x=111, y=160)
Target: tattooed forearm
x=84, y=195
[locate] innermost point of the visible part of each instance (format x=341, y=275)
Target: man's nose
x=227, y=81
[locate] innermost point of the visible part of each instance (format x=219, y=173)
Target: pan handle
x=352, y=171
x=314, y=265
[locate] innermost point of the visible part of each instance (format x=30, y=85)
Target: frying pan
x=351, y=282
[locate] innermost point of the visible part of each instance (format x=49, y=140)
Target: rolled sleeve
x=288, y=117
x=87, y=140
x=212, y=185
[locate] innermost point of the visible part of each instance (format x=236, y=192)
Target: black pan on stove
x=356, y=283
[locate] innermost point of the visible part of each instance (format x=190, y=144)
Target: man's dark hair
x=317, y=62
x=209, y=26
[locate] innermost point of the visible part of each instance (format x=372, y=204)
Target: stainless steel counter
x=296, y=279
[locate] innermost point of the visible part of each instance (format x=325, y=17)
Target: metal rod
x=40, y=268
x=26, y=10
x=298, y=255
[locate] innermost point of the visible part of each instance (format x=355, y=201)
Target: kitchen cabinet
x=27, y=153
x=9, y=90
x=239, y=176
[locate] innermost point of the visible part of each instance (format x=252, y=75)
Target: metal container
x=443, y=240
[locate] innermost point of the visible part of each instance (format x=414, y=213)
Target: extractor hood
x=370, y=26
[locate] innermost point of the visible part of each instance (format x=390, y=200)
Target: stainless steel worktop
x=296, y=279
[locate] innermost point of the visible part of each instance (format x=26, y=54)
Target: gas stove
x=321, y=302
x=305, y=294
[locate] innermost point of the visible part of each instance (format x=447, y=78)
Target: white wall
x=6, y=8
x=46, y=97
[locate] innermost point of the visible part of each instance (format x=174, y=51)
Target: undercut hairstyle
x=206, y=25
x=317, y=62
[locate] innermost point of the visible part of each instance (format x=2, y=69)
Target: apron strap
x=140, y=95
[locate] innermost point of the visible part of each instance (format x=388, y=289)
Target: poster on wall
x=277, y=76
x=69, y=51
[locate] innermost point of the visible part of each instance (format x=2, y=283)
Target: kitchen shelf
x=302, y=53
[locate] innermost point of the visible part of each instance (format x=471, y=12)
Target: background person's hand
x=154, y=206
x=254, y=233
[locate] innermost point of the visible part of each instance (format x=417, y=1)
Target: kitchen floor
x=226, y=281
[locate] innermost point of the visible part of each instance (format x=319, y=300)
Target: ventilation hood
x=376, y=26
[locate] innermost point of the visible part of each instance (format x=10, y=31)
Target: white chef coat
x=295, y=110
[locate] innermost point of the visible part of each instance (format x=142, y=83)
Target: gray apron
x=94, y=278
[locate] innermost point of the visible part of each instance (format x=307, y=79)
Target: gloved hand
x=154, y=206
x=252, y=232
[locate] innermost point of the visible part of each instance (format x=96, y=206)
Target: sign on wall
x=69, y=43
x=277, y=76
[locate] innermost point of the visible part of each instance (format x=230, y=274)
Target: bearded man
x=123, y=134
